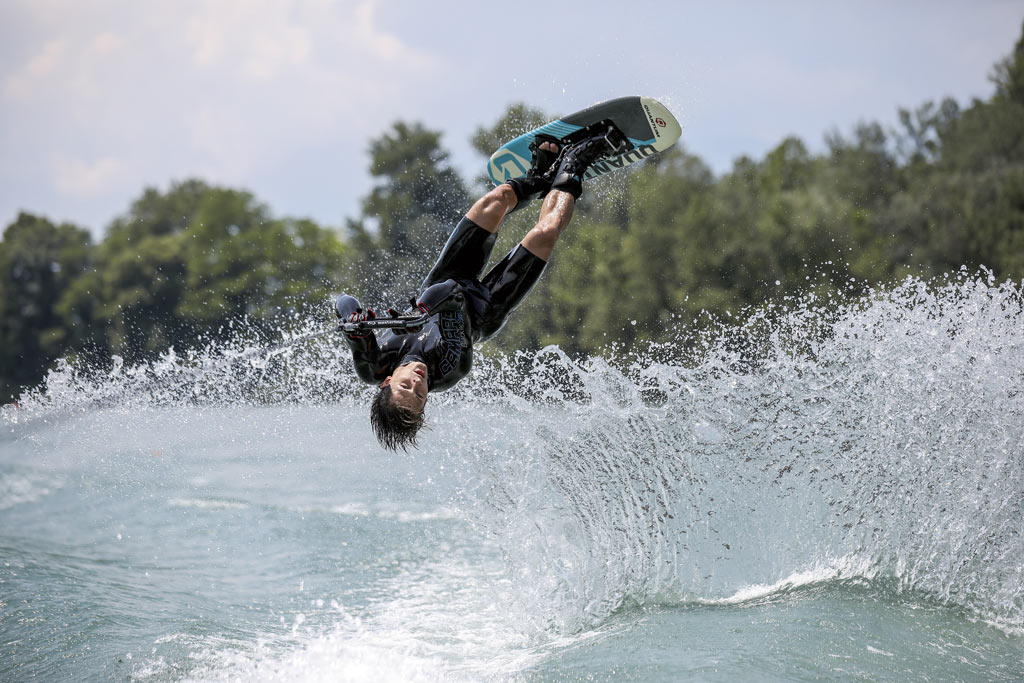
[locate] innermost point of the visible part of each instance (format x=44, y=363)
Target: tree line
x=671, y=240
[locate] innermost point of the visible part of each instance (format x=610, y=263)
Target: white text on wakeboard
x=607, y=165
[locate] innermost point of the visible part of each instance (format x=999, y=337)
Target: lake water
x=833, y=492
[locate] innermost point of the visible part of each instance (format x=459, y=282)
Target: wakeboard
x=641, y=127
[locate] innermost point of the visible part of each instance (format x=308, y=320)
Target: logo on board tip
x=507, y=164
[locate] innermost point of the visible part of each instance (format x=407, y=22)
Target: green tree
x=38, y=261
x=864, y=172
x=406, y=218
x=180, y=265
x=133, y=291
x=240, y=263
x=965, y=207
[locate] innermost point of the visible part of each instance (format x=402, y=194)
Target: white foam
x=333, y=657
x=350, y=510
x=17, y=488
x=404, y=516
x=428, y=515
x=844, y=568
x=209, y=504
x=444, y=622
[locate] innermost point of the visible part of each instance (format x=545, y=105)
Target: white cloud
x=23, y=84
x=281, y=96
x=79, y=178
x=227, y=88
x=254, y=40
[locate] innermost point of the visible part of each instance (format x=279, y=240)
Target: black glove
x=348, y=310
x=345, y=306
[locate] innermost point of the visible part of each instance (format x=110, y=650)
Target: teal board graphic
x=647, y=125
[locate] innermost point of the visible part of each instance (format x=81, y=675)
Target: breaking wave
x=876, y=437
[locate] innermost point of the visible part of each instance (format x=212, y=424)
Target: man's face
x=409, y=386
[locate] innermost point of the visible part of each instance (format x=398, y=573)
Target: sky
x=101, y=99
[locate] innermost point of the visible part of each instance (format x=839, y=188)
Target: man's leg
x=512, y=278
x=555, y=214
x=469, y=246
x=489, y=211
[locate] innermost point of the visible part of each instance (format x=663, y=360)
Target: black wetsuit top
x=445, y=344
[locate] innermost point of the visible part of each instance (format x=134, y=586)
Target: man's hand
x=348, y=310
x=345, y=306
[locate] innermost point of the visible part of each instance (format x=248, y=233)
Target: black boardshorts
x=489, y=299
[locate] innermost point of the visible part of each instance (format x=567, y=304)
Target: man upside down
x=464, y=307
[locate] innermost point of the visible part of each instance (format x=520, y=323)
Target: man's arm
x=365, y=350
x=365, y=353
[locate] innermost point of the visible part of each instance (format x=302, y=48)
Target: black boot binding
x=577, y=159
x=537, y=181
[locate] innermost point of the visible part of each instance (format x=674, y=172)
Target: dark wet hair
x=394, y=426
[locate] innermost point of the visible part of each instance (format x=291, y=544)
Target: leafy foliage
x=172, y=272
x=38, y=261
x=408, y=214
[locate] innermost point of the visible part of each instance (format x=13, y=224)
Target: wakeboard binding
x=537, y=181
x=598, y=141
x=564, y=169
